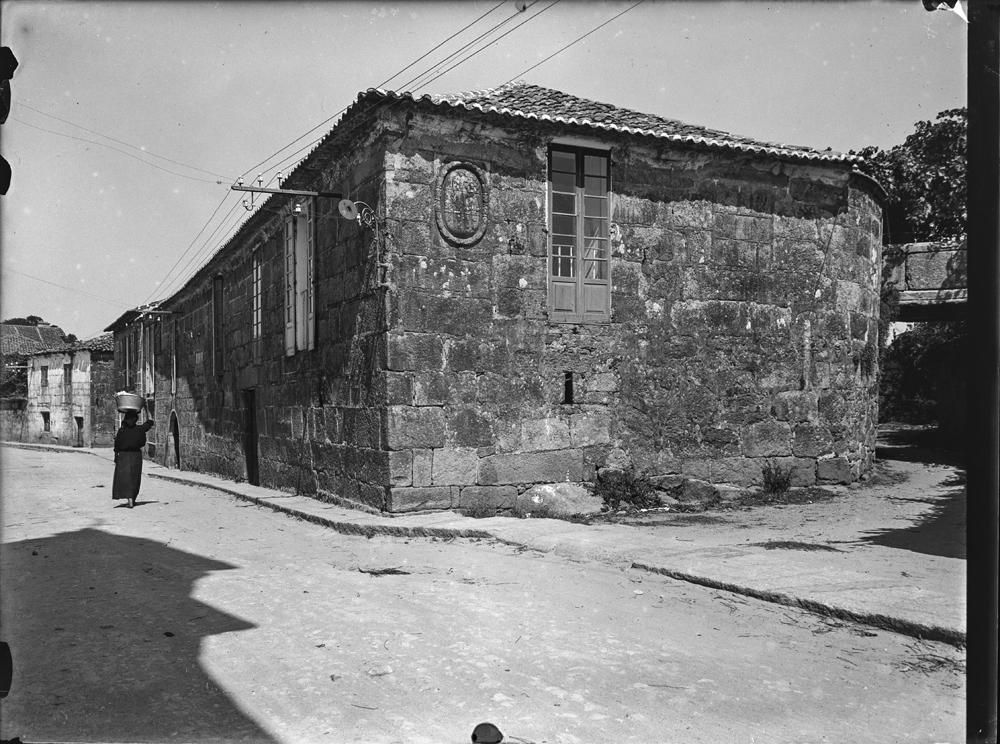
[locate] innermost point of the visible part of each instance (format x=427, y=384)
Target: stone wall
x=76, y=416
x=743, y=328
x=13, y=420
x=103, y=410
x=743, y=331
x=318, y=412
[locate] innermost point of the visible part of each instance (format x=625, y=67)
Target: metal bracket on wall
x=260, y=189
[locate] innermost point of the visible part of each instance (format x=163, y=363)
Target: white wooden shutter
x=310, y=308
x=290, y=298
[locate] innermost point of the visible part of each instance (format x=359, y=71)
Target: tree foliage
x=31, y=320
x=925, y=180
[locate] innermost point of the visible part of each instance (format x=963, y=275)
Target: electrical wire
x=578, y=39
x=201, y=251
x=487, y=46
x=113, y=139
x=116, y=149
x=444, y=60
x=167, y=282
x=384, y=82
x=77, y=290
x=433, y=68
x=461, y=49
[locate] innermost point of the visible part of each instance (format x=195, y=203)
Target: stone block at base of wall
x=532, y=467
x=835, y=470
x=418, y=499
x=559, y=499
x=478, y=498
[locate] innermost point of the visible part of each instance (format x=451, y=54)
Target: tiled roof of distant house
x=101, y=342
x=27, y=339
x=526, y=101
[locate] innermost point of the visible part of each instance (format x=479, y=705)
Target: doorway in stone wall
x=79, y=430
x=250, y=436
x=174, y=445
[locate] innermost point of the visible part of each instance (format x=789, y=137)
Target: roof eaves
x=797, y=153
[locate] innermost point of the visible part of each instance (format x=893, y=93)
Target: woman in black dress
x=129, y=441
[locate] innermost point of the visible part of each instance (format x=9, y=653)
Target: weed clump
x=777, y=479
x=621, y=489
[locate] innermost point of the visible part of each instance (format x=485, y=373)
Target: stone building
x=528, y=287
x=71, y=394
x=17, y=341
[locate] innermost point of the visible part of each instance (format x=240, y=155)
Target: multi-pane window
x=580, y=252
x=45, y=375
x=300, y=326
x=67, y=381
x=257, y=312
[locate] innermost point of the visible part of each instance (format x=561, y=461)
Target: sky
x=130, y=120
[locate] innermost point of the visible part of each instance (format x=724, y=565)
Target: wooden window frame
x=579, y=275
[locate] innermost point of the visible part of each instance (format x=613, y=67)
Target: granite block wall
x=743, y=328
x=744, y=324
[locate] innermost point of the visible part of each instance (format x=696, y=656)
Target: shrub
x=776, y=478
x=623, y=489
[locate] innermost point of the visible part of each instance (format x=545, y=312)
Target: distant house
x=527, y=287
x=71, y=394
x=16, y=342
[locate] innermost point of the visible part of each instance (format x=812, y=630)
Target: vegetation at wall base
x=624, y=489
x=777, y=479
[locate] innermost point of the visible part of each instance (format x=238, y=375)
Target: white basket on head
x=129, y=402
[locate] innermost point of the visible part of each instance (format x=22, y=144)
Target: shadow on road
x=940, y=532
x=106, y=636
x=916, y=444
x=942, y=529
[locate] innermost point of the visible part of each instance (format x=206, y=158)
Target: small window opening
x=567, y=387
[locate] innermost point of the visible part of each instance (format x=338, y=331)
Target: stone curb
x=347, y=528
x=875, y=620
x=883, y=622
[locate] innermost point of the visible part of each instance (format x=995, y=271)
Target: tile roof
x=101, y=342
x=27, y=339
x=526, y=101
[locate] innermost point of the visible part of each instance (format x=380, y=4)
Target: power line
x=289, y=157
x=580, y=38
x=63, y=286
x=120, y=142
x=116, y=149
x=334, y=116
x=461, y=49
x=429, y=70
x=487, y=46
x=165, y=283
